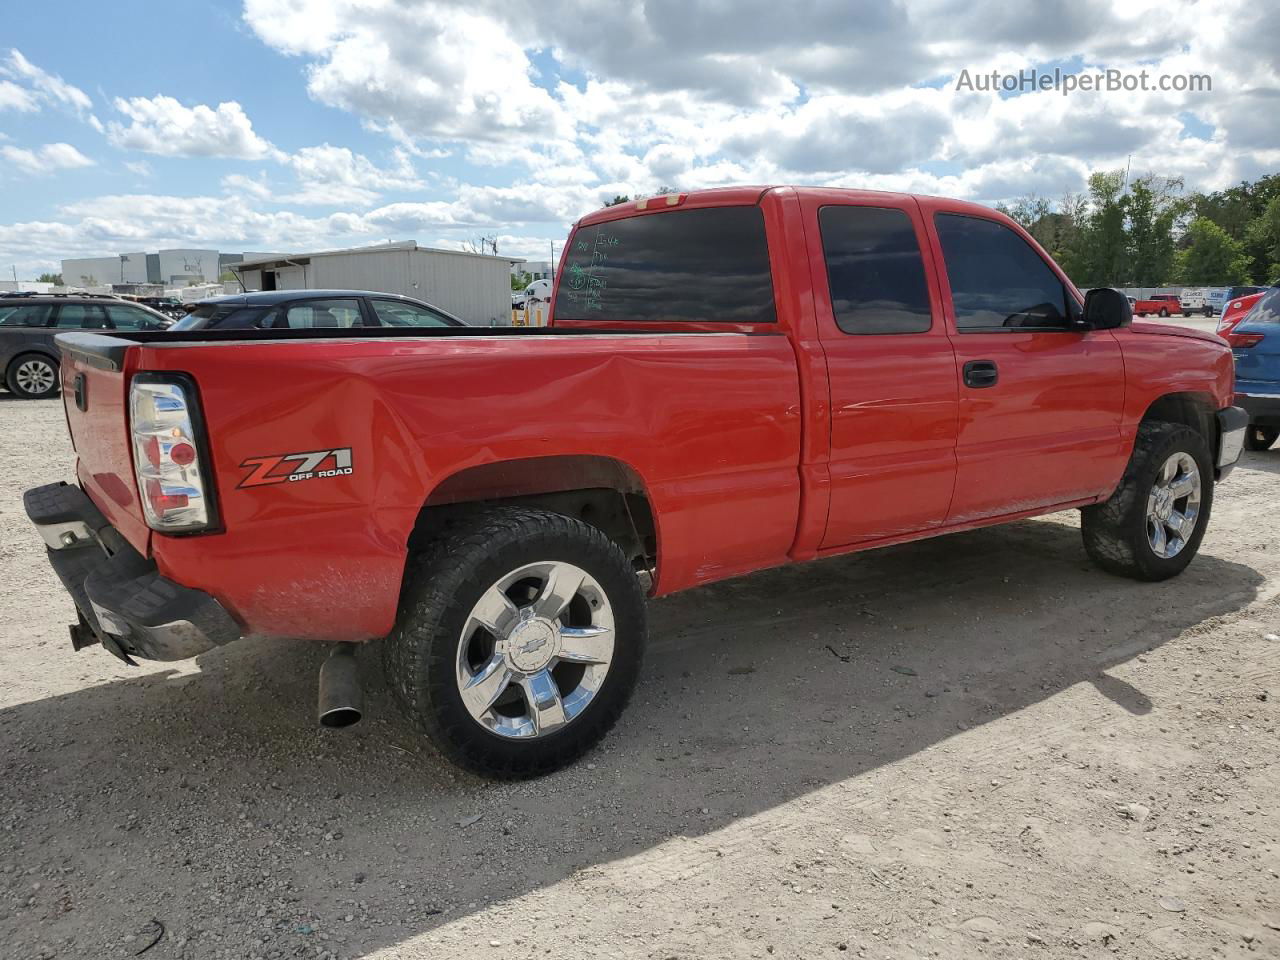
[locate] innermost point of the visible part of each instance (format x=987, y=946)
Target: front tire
x=32, y=376
x=518, y=642
x=1164, y=312
x=1151, y=527
x=1258, y=438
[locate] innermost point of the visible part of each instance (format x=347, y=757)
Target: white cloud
x=14, y=97
x=45, y=159
x=434, y=69
x=47, y=86
x=164, y=126
x=139, y=167
x=689, y=93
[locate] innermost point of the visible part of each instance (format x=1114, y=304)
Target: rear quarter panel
x=711, y=424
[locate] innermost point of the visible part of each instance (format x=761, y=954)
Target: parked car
x=1255, y=342
x=1235, y=311
x=310, y=309
x=1217, y=298
x=746, y=378
x=28, y=325
x=1163, y=304
x=1193, y=300
x=169, y=306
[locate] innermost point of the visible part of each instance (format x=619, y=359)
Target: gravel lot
x=975, y=746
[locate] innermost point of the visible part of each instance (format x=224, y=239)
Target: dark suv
x=28, y=357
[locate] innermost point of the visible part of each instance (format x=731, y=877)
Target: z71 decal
x=289, y=467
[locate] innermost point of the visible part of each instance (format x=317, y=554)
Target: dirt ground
x=975, y=746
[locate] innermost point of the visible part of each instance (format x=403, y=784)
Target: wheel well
x=1195, y=410
x=601, y=491
x=33, y=352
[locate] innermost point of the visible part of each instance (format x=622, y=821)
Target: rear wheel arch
x=604, y=492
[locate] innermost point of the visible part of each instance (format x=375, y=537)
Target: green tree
x=1235, y=210
x=1068, y=241
x=1152, y=208
x=617, y=199
x=1263, y=234
x=520, y=280
x=54, y=278
x=1211, y=257
x=1102, y=246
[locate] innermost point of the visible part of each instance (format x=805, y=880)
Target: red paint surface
x=753, y=450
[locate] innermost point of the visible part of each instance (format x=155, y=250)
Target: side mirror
x=1106, y=309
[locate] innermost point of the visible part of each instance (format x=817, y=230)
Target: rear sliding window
x=709, y=265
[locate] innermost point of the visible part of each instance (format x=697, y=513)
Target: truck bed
x=708, y=424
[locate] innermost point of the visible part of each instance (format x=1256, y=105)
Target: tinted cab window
x=709, y=265
x=998, y=282
x=874, y=270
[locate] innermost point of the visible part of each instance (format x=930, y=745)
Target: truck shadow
x=211, y=801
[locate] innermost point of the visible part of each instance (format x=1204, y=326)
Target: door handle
x=981, y=373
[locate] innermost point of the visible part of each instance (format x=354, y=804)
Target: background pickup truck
x=1161, y=304
x=734, y=379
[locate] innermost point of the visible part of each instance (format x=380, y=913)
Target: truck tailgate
x=95, y=387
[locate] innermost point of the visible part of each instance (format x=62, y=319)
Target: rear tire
x=478, y=619
x=32, y=376
x=1126, y=534
x=1258, y=438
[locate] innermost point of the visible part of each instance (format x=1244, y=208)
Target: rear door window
x=998, y=283
x=398, y=313
x=709, y=265
x=26, y=315
x=316, y=314
x=124, y=317
x=211, y=316
x=874, y=270
x=81, y=316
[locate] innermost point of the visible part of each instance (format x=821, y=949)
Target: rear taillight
x=175, y=492
x=1243, y=339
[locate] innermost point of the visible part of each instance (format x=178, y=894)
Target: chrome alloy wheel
x=35, y=376
x=535, y=650
x=1173, y=506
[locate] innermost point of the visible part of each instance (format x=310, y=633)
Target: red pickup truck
x=1161, y=304
x=734, y=379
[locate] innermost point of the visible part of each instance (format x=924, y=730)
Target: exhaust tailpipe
x=341, y=699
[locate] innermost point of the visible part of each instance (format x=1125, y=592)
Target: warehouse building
x=474, y=287
x=104, y=271
x=170, y=268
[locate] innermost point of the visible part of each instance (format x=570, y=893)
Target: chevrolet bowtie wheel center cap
x=532, y=645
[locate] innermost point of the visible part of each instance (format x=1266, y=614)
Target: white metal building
x=475, y=287
x=100, y=271
x=180, y=267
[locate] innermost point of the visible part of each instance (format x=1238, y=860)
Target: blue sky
x=297, y=124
